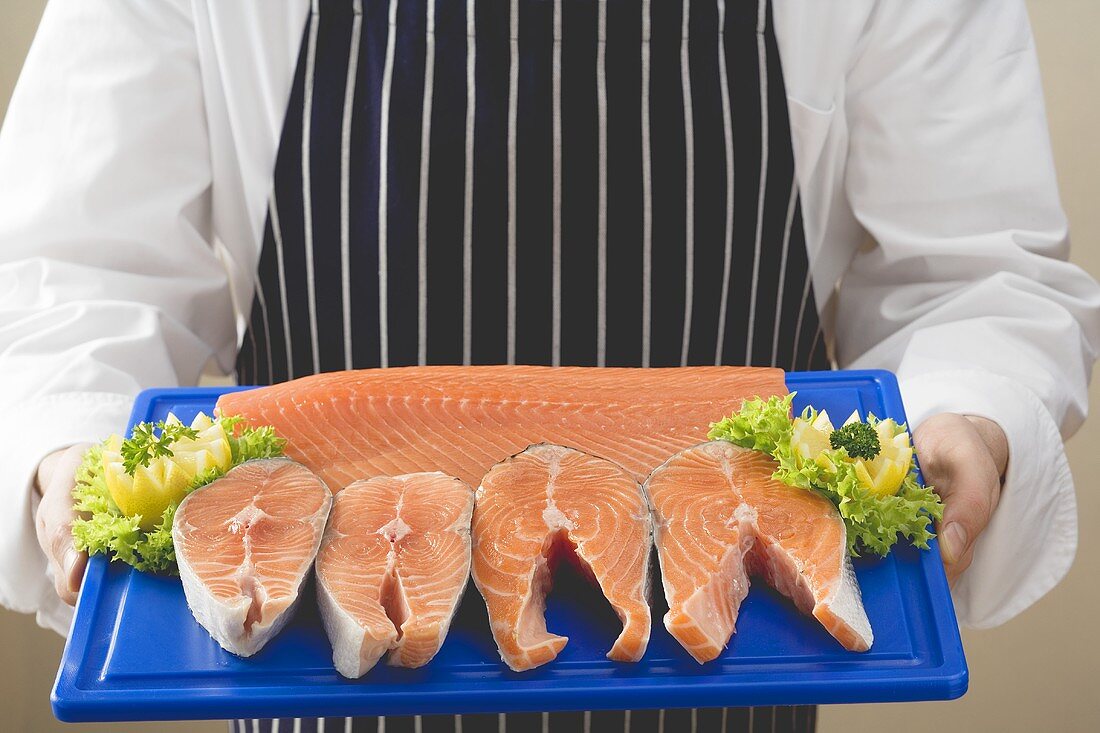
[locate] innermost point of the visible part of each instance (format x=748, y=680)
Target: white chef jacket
x=136, y=162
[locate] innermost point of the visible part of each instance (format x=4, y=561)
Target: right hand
x=965, y=457
x=53, y=520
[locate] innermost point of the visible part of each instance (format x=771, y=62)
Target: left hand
x=964, y=457
x=54, y=520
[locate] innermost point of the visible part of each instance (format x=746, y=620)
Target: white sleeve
x=966, y=291
x=108, y=280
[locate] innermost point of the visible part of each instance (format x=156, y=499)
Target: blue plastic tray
x=135, y=652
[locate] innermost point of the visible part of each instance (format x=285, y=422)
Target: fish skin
x=720, y=517
x=392, y=568
x=247, y=594
x=352, y=425
x=547, y=499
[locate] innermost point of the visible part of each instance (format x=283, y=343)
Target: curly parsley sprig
x=150, y=441
x=858, y=438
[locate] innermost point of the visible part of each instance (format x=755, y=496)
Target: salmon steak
x=353, y=425
x=545, y=504
x=392, y=568
x=245, y=544
x=720, y=517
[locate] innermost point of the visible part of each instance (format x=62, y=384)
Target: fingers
x=956, y=459
x=46, y=469
x=53, y=521
x=994, y=439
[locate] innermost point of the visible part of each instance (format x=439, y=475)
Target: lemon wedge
x=884, y=474
x=153, y=488
x=810, y=438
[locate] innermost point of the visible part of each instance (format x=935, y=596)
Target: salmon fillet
x=245, y=544
x=719, y=518
x=352, y=425
x=392, y=568
x=538, y=506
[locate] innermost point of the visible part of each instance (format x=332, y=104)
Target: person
x=280, y=189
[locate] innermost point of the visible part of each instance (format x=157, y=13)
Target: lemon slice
x=153, y=488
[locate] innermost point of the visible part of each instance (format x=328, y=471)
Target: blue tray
x=135, y=652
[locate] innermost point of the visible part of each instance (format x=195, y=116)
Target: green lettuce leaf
x=106, y=530
x=760, y=424
x=248, y=443
x=873, y=523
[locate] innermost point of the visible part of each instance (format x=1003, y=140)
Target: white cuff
x=1031, y=540
x=30, y=431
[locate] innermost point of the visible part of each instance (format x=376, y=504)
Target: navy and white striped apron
x=589, y=182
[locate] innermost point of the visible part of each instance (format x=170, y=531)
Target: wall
x=1036, y=672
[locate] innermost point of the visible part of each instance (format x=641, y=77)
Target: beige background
x=1037, y=672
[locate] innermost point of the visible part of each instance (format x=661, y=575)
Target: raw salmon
x=544, y=503
x=392, y=568
x=352, y=425
x=720, y=517
x=245, y=544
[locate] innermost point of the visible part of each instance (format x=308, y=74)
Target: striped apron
x=586, y=182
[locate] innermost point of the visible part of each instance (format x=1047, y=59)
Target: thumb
x=967, y=510
x=958, y=463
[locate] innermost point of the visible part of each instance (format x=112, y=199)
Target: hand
x=53, y=521
x=964, y=457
